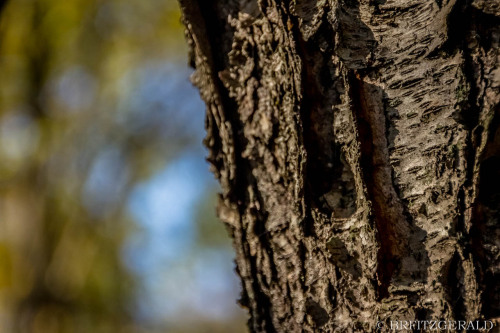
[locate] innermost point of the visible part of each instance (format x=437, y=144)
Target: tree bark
x=357, y=143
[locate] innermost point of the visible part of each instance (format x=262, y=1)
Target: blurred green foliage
x=72, y=147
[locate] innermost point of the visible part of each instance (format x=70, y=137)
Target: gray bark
x=357, y=143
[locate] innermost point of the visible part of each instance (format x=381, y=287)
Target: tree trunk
x=357, y=143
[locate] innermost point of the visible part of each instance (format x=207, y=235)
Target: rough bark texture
x=357, y=143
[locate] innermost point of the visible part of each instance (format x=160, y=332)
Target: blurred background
x=107, y=218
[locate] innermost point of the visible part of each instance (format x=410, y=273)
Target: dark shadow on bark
x=453, y=275
x=330, y=180
x=317, y=313
x=485, y=233
x=341, y=258
x=483, y=29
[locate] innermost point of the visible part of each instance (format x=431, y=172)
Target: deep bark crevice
x=481, y=33
x=388, y=212
x=329, y=178
x=486, y=218
x=454, y=275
